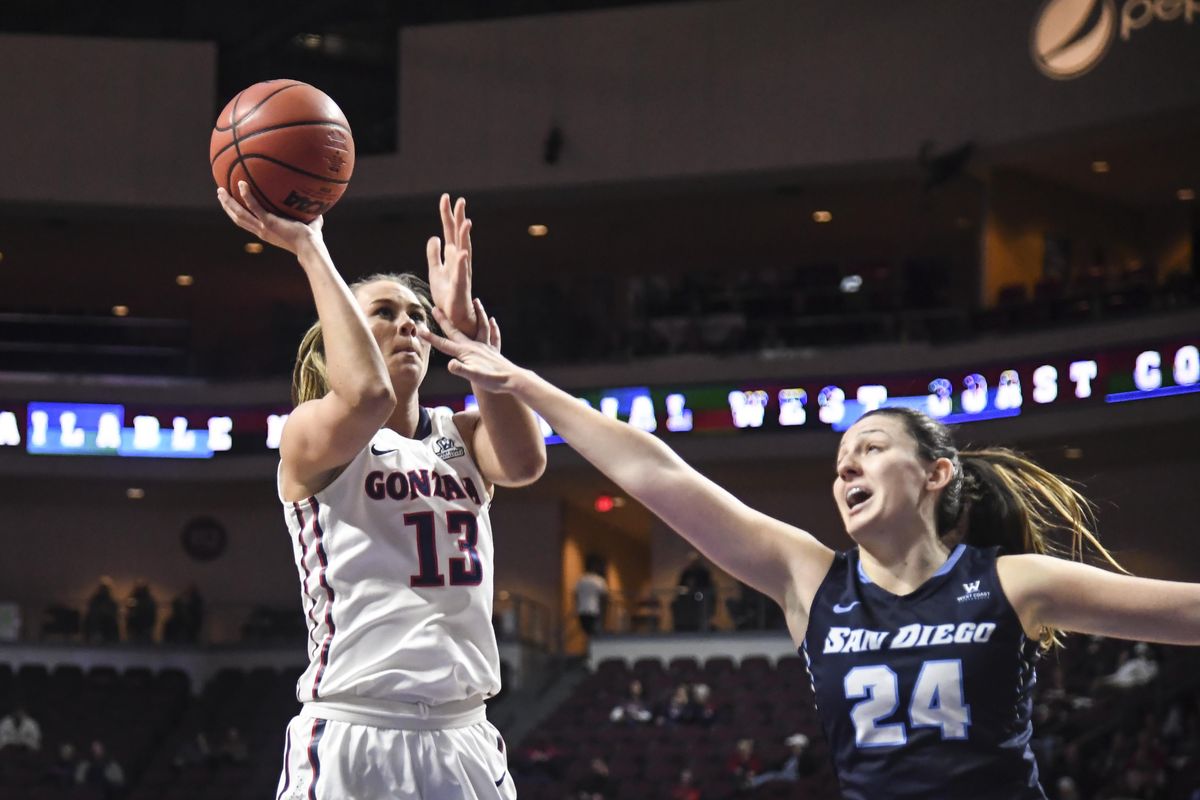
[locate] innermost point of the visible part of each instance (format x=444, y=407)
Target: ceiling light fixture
x=1100, y=167
x=538, y=231
x=822, y=216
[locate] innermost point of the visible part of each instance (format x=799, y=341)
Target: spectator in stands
x=752, y=610
x=591, y=594
x=704, y=711
x=1149, y=761
x=100, y=623
x=18, y=729
x=100, y=772
x=60, y=621
x=233, y=749
x=799, y=763
x=186, y=621
x=539, y=761
x=1120, y=751
x=175, y=629
x=1173, y=723
x=141, y=613
x=677, y=710
x=743, y=765
x=596, y=784
x=632, y=709
x=685, y=789
x=194, y=603
x=1067, y=790
x=194, y=752
x=1136, y=668
x=696, y=597
x=61, y=771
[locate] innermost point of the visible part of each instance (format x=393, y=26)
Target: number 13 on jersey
x=465, y=570
x=937, y=702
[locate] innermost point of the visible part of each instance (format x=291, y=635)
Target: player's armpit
x=324, y=435
x=504, y=440
x=1056, y=593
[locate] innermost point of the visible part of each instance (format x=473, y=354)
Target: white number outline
x=876, y=693
x=929, y=709
x=881, y=686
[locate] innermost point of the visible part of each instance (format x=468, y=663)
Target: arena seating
x=755, y=700
x=129, y=712
x=259, y=703
x=1140, y=739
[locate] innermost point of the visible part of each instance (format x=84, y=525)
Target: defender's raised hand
x=476, y=358
x=450, y=276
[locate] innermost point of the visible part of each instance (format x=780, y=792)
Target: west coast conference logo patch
x=971, y=592
x=1061, y=47
x=445, y=448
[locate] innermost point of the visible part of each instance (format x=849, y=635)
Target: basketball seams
x=238, y=149
x=233, y=119
x=281, y=126
x=310, y=140
x=297, y=170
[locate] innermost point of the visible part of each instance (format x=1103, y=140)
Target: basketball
x=290, y=142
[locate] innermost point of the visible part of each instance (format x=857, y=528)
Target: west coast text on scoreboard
x=1117, y=375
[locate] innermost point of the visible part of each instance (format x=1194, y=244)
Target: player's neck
x=900, y=565
x=406, y=417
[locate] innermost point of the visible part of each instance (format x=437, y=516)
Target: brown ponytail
x=310, y=377
x=1010, y=501
x=998, y=497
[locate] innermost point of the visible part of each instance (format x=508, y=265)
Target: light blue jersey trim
x=955, y=555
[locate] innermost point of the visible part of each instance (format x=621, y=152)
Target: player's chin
x=857, y=526
x=407, y=372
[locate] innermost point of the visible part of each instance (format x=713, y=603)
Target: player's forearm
x=353, y=362
x=513, y=435
x=623, y=453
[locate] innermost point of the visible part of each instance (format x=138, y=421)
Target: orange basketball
x=290, y=142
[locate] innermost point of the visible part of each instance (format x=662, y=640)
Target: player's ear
x=941, y=472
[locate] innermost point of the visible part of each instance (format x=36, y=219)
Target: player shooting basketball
x=387, y=506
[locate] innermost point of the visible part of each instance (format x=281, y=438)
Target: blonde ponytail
x=310, y=379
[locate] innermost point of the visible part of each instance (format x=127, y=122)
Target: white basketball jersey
x=395, y=565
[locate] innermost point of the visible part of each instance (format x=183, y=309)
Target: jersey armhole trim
x=1008, y=603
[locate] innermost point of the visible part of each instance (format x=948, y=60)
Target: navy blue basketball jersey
x=926, y=695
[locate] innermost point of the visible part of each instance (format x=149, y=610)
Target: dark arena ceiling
x=346, y=48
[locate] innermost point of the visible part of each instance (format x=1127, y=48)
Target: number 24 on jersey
x=937, y=702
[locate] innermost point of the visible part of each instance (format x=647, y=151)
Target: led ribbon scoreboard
x=1114, y=375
